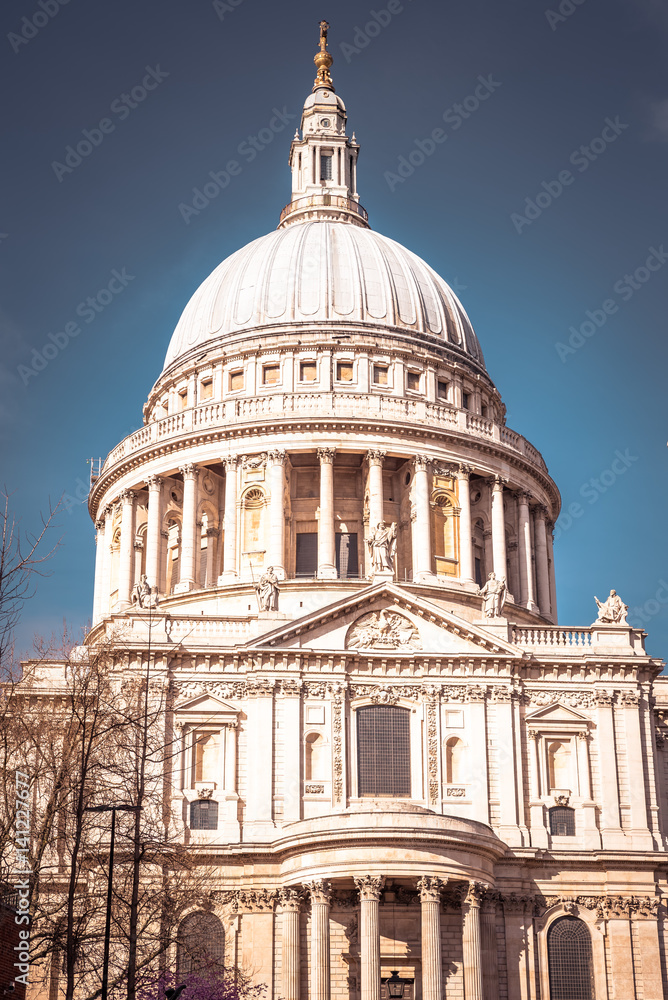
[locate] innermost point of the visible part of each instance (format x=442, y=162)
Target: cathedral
x=412, y=780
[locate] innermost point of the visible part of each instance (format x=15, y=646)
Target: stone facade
x=324, y=384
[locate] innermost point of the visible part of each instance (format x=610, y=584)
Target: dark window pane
x=562, y=822
x=204, y=815
x=307, y=554
x=478, y=572
x=569, y=960
x=383, y=751
x=201, y=944
x=325, y=168
x=346, y=556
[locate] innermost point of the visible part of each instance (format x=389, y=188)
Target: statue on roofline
x=612, y=611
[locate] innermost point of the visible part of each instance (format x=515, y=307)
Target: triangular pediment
x=205, y=704
x=390, y=620
x=556, y=712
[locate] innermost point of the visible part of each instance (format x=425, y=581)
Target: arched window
x=480, y=567
x=569, y=960
x=559, y=764
x=562, y=822
x=444, y=533
x=454, y=760
x=253, y=531
x=204, y=815
x=315, y=763
x=383, y=751
x=200, y=944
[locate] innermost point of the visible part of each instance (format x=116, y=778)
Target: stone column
x=187, y=580
x=611, y=831
x=553, y=576
x=126, y=566
x=375, y=460
x=154, y=484
x=432, y=962
x=230, y=571
x=498, y=528
x=320, y=979
x=542, y=569
x=326, y=542
x=422, y=567
x=276, y=553
x=290, y=902
x=98, y=586
x=211, y=536
x=638, y=795
x=490, y=966
x=527, y=595
x=466, y=563
x=472, y=950
x=370, y=888
x=105, y=597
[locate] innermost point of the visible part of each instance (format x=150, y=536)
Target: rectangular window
x=383, y=751
x=344, y=371
x=380, y=374
x=206, y=389
x=413, y=381
x=325, y=168
x=183, y=399
x=442, y=389
x=466, y=400
x=484, y=411
x=346, y=556
x=204, y=815
x=307, y=554
x=270, y=374
x=308, y=371
x=236, y=381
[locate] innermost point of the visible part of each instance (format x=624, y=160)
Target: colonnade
x=534, y=543
x=478, y=939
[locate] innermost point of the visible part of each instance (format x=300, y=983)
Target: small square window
x=344, y=371
x=466, y=400
x=183, y=399
x=484, y=410
x=308, y=371
x=270, y=374
x=413, y=381
x=380, y=374
x=325, y=168
x=236, y=381
x=442, y=389
x=206, y=389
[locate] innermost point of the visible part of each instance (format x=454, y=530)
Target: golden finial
x=323, y=60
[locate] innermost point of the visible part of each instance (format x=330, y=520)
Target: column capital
x=474, y=894
x=490, y=901
x=127, y=496
x=464, y=471
x=326, y=455
x=189, y=471
x=290, y=900
x=319, y=890
x=230, y=462
x=421, y=463
x=375, y=457
x=100, y=524
x=276, y=457
x=523, y=497
x=499, y=482
x=540, y=511
x=430, y=888
x=154, y=482
x=369, y=886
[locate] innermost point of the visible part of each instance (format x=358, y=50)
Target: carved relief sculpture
x=383, y=630
x=612, y=611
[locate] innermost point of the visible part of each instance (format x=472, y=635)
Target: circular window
x=325, y=122
x=408, y=478
x=475, y=496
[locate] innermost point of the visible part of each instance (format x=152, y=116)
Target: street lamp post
x=122, y=807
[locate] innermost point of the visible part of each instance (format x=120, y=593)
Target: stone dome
x=324, y=272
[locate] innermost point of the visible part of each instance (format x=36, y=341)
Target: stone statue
x=382, y=542
x=267, y=590
x=612, y=611
x=493, y=596
x=144, y=595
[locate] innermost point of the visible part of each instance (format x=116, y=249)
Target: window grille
x=569, y=959
x=306, y=555
x=562, y=822
x=347, y=565
x=383, y=751
x=325, y=168
x=204, y=815
x=200, y=943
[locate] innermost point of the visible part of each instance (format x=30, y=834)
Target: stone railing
x=557, y=638
x=339, y=405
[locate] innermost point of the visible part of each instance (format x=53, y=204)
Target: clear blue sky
x=218, y=72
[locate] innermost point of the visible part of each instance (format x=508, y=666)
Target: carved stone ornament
x=386, y=694
x=290, y=900
x=562, y=800
x=369, y=886
x=204, y=793
x=255, y=900
x=474, y=893
x=383, y=630
x=337, y=748
x=254, y=461
x=314, y=789
x=319, y=890
x=612, y=611
x=430, y=889
x=185, y=690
